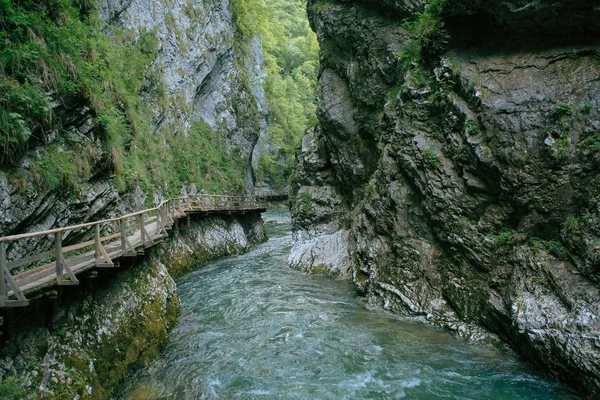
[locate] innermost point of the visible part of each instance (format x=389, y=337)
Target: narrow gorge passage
x=253, y=328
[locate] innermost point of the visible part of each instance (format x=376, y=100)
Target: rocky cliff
x=166, y=99
x=81, y=343
x=454, y=172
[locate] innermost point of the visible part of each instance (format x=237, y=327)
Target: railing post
x=58, y=256
x=97, y=244
x=3, y=288
x=123, y=237
x=157, y=221
x=142, y=229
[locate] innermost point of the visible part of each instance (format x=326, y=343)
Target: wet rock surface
x=468, y=182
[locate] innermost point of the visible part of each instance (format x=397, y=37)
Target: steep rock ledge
x=467, y=179
x=200, y=74
x=83, y=340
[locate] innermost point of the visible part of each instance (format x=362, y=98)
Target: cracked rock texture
x=463, y=188
x=81, y=342
x=205, y=78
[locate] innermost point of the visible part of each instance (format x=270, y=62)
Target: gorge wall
x=108, y=107
x=81, y=342
x=147, y=100
x=454, y=171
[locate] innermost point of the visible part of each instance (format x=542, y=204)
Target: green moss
x=563, y=110
x=503, y=237
x=322, y=269
x=305, y=203
x=553, y=247
x=12, y=388
x=431, y=157
x=472, y=128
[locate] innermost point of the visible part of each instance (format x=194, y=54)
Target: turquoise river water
x=252, y=328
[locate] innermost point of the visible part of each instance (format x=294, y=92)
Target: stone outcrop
x=462, y=159
x=201, y=74
x=80, y=343
x=205, y=75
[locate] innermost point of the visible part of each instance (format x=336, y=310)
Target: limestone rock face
x=467, y=179
x=204, y=77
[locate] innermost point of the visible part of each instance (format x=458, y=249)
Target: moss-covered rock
x=82, y=341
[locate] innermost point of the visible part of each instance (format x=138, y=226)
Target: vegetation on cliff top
x=291, y=60
x=57, y=60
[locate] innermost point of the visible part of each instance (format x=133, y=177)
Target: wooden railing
x=98, y=244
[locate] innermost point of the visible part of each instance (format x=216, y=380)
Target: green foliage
x=431, y=157
x=12, y=388
x=59, y=48
x=563, y=110
x=561, y=129
x=540, y=279
x=587, y=108
x=503, y=237
x=571, y=223
x=393, y=95
x=269, y=168
x=291, y=61
x=430, y=39
x=219, y=170
x=472, y=128
x=593, y=143
x=553, y=247
x=370, y=191
x=57, y=168
x=250, y=16
x=305, y=203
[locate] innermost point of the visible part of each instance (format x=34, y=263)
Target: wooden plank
x=147, y=233
x=16, y=303
x=29, y=259
x=70, y=274
x=105, y=255
x=58, y=250
x=15, y=289
x=3, y=288
x=36, y=276
x=96, y=244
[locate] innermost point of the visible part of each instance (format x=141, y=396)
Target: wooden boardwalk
x=99, y=244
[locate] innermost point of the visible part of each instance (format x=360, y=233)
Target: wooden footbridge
x=99, y=244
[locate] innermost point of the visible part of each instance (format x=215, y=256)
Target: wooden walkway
x=99, y=244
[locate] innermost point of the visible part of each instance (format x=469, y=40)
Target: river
x=252, y=328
